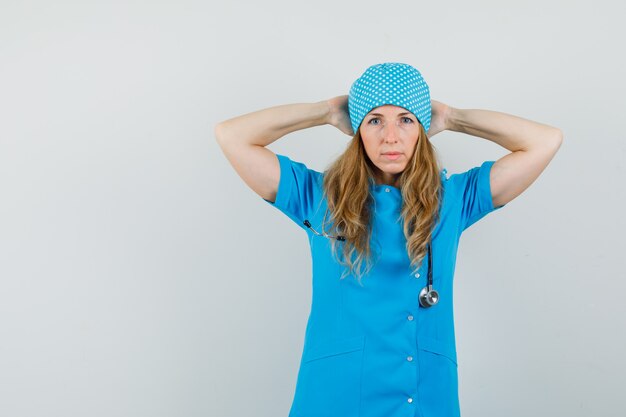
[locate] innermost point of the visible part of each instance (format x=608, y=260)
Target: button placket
x=409, y=358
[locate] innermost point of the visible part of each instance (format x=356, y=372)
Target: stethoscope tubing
x=428, y=296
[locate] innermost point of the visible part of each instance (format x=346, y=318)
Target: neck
x=388, y=179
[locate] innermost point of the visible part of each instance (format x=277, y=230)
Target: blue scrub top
x=370, y=350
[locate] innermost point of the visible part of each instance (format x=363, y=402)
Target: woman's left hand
x=439, y=118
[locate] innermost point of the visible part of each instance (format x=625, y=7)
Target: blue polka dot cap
x=389, y=83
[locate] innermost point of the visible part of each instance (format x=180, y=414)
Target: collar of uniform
x=391, y=190
x=385, y=189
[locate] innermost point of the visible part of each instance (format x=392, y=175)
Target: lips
x=392, y=155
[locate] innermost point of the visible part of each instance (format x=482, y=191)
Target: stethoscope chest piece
x=428, y=297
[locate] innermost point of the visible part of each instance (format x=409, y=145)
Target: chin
x=392, y=168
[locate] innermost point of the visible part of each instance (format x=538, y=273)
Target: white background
x=139, y=276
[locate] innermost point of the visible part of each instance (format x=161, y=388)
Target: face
x=389, y=134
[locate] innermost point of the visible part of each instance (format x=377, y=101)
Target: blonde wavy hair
x=346, y=188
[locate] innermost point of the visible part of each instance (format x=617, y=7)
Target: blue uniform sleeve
x=298, y=192
x=475, y=187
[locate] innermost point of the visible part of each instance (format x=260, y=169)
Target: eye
x=409, y=119
x=371, y=120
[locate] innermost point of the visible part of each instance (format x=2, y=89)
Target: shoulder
x=462, y=180
x=297, y=168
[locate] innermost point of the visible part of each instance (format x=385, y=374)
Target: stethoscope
x=428, y=296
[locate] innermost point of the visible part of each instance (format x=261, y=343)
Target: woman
x=380, y=338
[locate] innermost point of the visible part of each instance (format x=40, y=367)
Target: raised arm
x=532, y=146
x=243, y=139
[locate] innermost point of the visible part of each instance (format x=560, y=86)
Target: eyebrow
x=400, y=114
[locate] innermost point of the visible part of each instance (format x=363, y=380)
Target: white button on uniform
x=417, y=275
x=410, y=317
x=410, y=399
x=386, y=190
x=409, y=358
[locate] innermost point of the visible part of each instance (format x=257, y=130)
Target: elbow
x=553, y=140
x=218, y=132
x=558, y=138
x=225, y=138
x=549, y=143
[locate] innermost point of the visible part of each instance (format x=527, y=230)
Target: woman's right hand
x=339, y=115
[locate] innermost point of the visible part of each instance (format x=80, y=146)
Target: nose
x=390, y=135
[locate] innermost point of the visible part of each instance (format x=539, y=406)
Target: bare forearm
x=265, y=126
x=511, y=132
